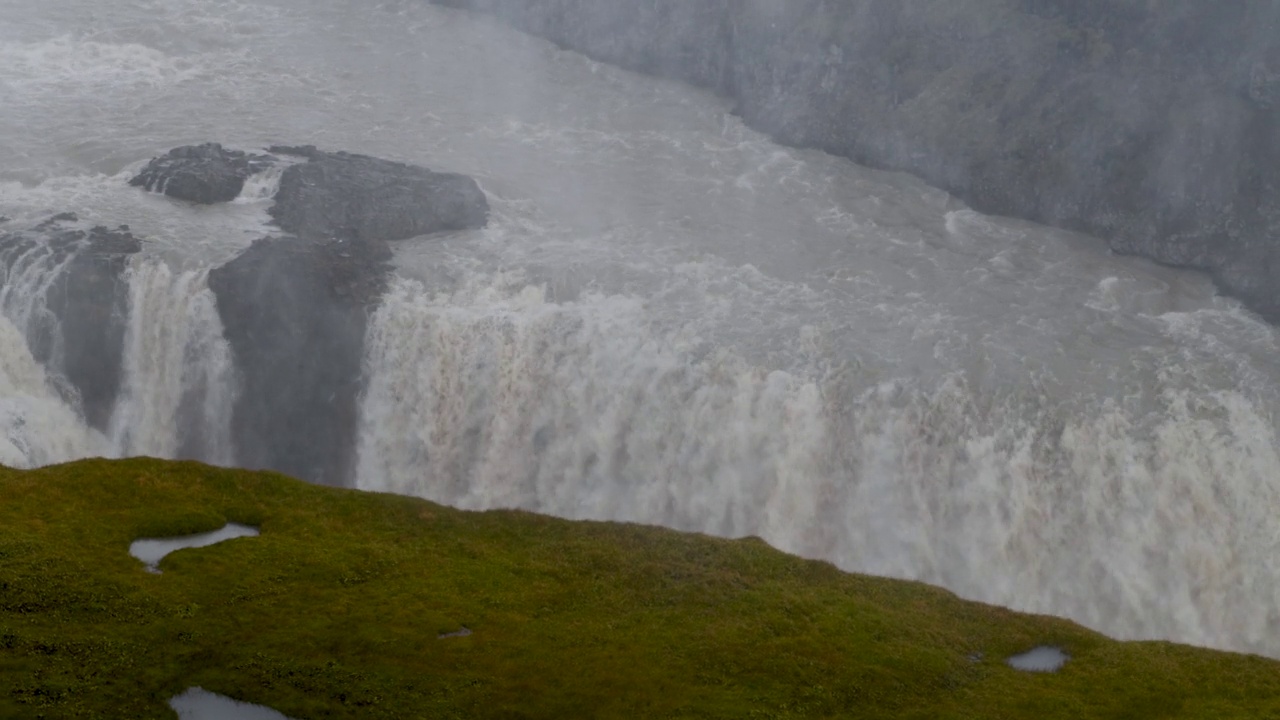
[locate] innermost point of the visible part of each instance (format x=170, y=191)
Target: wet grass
x=335, y=611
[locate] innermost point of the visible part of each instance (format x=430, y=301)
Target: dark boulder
x=1155, y=125
x=295, y=311
x=201, y=173
x=67, y=292
x=368, y=199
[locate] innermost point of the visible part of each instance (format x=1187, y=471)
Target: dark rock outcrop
x=201, y=173
x=364, y=198
x=295, y=311
x=75, y=320
x=1153, y=125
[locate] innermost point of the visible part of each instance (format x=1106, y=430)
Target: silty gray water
x=670, y=319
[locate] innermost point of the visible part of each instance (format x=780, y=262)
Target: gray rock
x=1153, y=125
x=201, y=173
x=294, y=311
x=341, y=195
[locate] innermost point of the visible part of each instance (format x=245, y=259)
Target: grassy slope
x=335, y=610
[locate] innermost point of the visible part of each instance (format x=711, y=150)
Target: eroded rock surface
x=294, y=309
x=295, y=312
x=64, y=285
x=204, y=174
x=362, y=198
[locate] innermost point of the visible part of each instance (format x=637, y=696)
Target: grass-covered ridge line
x=334, y=612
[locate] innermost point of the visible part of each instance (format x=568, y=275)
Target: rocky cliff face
x=294, y=311
x=1152, y=125
x=295, y=308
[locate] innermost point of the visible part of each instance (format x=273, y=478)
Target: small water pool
x=152, y=550
x=200, y=704
x=1041, y=659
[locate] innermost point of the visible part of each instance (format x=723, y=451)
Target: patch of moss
x=335, y=611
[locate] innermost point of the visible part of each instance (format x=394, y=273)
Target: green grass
x=335, y=611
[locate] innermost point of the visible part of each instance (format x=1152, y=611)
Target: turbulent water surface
x=669, y=319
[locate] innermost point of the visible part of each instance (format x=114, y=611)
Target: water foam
x=179, y=377
x=1144, y=516
x=262, y=186
x=66, y=65
x=29, y=269
x=37, y=426
x=178, y=382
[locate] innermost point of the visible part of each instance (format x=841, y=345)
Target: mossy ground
x=335, y=612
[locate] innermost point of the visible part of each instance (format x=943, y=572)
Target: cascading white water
x=179, y=378
x=178, y=383
x=37, y=427
x=575, y=409
x=1143, y=517
x=29, y=270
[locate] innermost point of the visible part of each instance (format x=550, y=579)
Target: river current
x=669, y=319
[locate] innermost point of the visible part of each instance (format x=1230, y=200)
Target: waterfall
x=29, y=269
x=178, y=382
x=1146, y=516
x=179, y=379
x=37, y=426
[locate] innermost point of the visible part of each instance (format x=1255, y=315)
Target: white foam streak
x=65, y=64
x=179, y=381
x=28, y=272
x=261, y=186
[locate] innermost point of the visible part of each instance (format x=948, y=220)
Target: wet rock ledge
x=205, y=174
x=1154, y=125
x=295, y=308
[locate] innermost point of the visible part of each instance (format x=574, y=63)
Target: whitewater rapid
x=670, y=319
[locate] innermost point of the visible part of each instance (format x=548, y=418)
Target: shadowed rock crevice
x=1152, y=125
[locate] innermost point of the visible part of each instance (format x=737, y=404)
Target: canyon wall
x=1152, y=125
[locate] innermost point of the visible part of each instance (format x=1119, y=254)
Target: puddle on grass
x=1041, y=659
x=464, y=632
x=152, y=550
x=200, y=704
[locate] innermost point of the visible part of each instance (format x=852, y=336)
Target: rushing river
x=669, y=320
